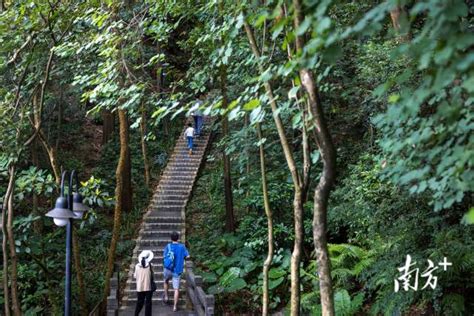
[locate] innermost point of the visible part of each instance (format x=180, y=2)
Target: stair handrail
x=203, y=303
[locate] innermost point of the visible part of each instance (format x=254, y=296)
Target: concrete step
x=164, y=219
x=156, y=298
x=159, y=292
x=168, y=205
x=183, y=163
x=169, y=198
x=184, y=176
x=157, y=212
x=173, y=210
x=184, y=167
x=159, y=283
x=160, y=191
x=170, y=195
x=186, y=157
x=147, y=234
x=171, y=181
x=157, y=310
x=159, y=243
x=164, y=226
x=157, y=251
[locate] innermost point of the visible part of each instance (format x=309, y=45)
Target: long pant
x=198, y=122
x=190, y=142
x=144, y=297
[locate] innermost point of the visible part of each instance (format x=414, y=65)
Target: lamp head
x=60, y=212
x=77, y=206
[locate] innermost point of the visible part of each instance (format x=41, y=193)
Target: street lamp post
x=65, y=210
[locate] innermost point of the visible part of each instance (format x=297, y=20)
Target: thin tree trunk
x=37, y=225
x=60, y=120
x=108, y=119
x=268, y=212
x=51, y=151
x=297, y=202
x=127, y=197
x=229, y=205
x=11, y=243
x=323, y=189
x=6, y=290
x=396, y=14
x=119, y=191
x=37, y=115
x=80, y=278
x=143, y=133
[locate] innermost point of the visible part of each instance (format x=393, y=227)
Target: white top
x=189, y=132
x=195, y=111
x=143, y=276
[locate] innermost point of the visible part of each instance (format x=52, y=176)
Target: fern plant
x=348, y=262
x=344, y=304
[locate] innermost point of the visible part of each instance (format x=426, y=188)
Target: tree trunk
x=60, y=119
x=50, y=150
x=37, y=225
x=229, y=207
x=296, y=254
x=323, y=189
x=108, y=119
x=127, y=197
x=297, y=202
x=11, y=243
x=119, y=192
x=80, y=278
x=143, y=133
x=268, y=212
x=6, y=291
x=397, y=14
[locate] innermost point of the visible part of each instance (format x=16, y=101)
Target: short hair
x=190, y=125
x=174, y=236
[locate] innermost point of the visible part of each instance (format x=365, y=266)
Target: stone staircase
x=166, y=213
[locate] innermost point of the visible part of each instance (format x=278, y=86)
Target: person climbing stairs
x=166, y=213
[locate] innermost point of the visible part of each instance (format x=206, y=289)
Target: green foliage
x=34, y=180
x=93, y=193
x=427, y=125
x=399, y=108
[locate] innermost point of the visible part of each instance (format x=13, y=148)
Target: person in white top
x=189, y=136
x=142, y=274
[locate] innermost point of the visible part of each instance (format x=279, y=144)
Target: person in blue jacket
x=174, y=255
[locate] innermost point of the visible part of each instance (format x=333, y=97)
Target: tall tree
x=119, y=192
x=143, y=134
x=229, y=205
x=297, y=179
x=108, y=125
x=323, y=189
x=268, y=212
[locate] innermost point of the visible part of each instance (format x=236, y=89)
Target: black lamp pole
x=67, y=208
x=67, y=297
